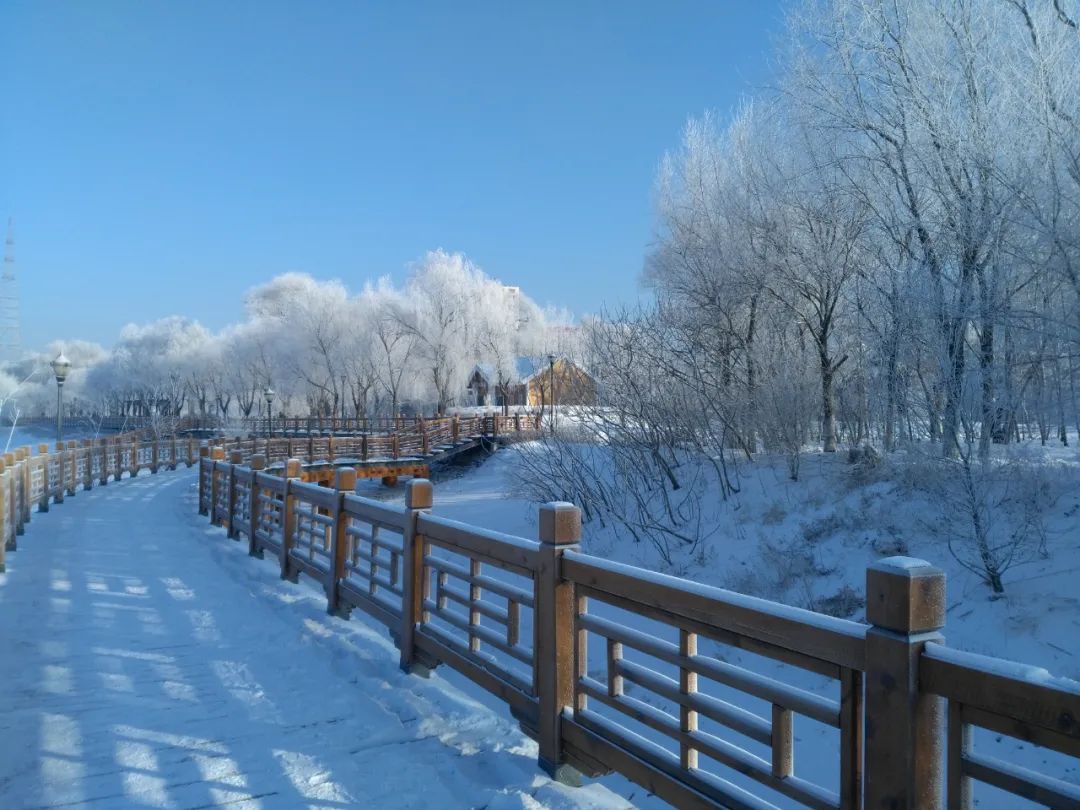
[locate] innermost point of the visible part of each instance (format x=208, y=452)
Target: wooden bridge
x=519, y=616
x=388, y=449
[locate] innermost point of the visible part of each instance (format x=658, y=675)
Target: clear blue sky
x=162, y=157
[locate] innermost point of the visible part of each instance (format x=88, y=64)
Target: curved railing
x=519, y=616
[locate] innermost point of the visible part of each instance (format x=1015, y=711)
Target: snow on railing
x=1020, y=701
x=43, y=478
x=519, y=617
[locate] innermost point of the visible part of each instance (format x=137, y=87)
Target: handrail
x=518, y=616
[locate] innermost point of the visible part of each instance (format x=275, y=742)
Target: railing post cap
x=293, y=467
x=236, y=456
x=258, y=461
x=560, y=523
x=345, y=479
x=419, y=494
x=905, y=595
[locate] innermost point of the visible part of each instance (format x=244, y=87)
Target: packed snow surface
x=149, y=662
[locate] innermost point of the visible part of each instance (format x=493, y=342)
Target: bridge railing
x=414, y=426
x=656, y=701
x=30, y=480
x=417, y=438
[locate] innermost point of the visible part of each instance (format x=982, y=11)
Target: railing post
x=11, y=462
x=43, y=460
x=236, y=458
x=560, y=530
x=103, y=474
x=88, y=470
x=71, y=475
x=423, y=437
x=414, y=581
x=23, y=454
x=204, y=453
x=288, y=519
x=9, y=538
x=904, y=729
x=61, y=473
x=257, y=464
x=345, y=484
x=216, y=454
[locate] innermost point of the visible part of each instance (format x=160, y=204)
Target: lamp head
x=61, y=366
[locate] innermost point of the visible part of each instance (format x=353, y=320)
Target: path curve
x=147, y=661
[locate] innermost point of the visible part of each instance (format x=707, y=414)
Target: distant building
x=529, y=384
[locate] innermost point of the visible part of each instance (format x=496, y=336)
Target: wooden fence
x=414, y=438
x=30, y=481
x=518, y=616
x=475, y=425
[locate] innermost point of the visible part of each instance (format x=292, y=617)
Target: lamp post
x=269, y=394
x=60, y=366
x=551, y=387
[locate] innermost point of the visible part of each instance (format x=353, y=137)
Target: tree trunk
x=828, y=415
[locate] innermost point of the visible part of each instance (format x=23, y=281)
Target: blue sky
x=162, y=157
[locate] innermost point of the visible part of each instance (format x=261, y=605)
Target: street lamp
x=551, y=387
x=60, y=366
x=269, y=394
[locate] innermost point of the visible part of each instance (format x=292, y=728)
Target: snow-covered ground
x=808, y=543
x=149, y=662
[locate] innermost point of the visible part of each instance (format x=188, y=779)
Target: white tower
x=10, y=325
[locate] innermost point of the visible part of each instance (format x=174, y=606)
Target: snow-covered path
x=147, y=661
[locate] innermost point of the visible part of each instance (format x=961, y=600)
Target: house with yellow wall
x=531, y=382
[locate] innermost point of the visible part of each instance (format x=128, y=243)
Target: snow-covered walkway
x=147, y=661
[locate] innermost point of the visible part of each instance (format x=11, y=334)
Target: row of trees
x=883, y=249
x=892, y=232
x=322, y=349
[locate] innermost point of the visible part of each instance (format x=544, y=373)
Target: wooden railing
x=30, y=481
x=473, y=425
x=519, y=616
x=419, y=438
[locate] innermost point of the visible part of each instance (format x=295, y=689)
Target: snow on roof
x=486, y=370
x=525, y=369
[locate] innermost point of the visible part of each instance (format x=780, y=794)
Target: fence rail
x=29, y=480
x=384, y=424
x=518, y=617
